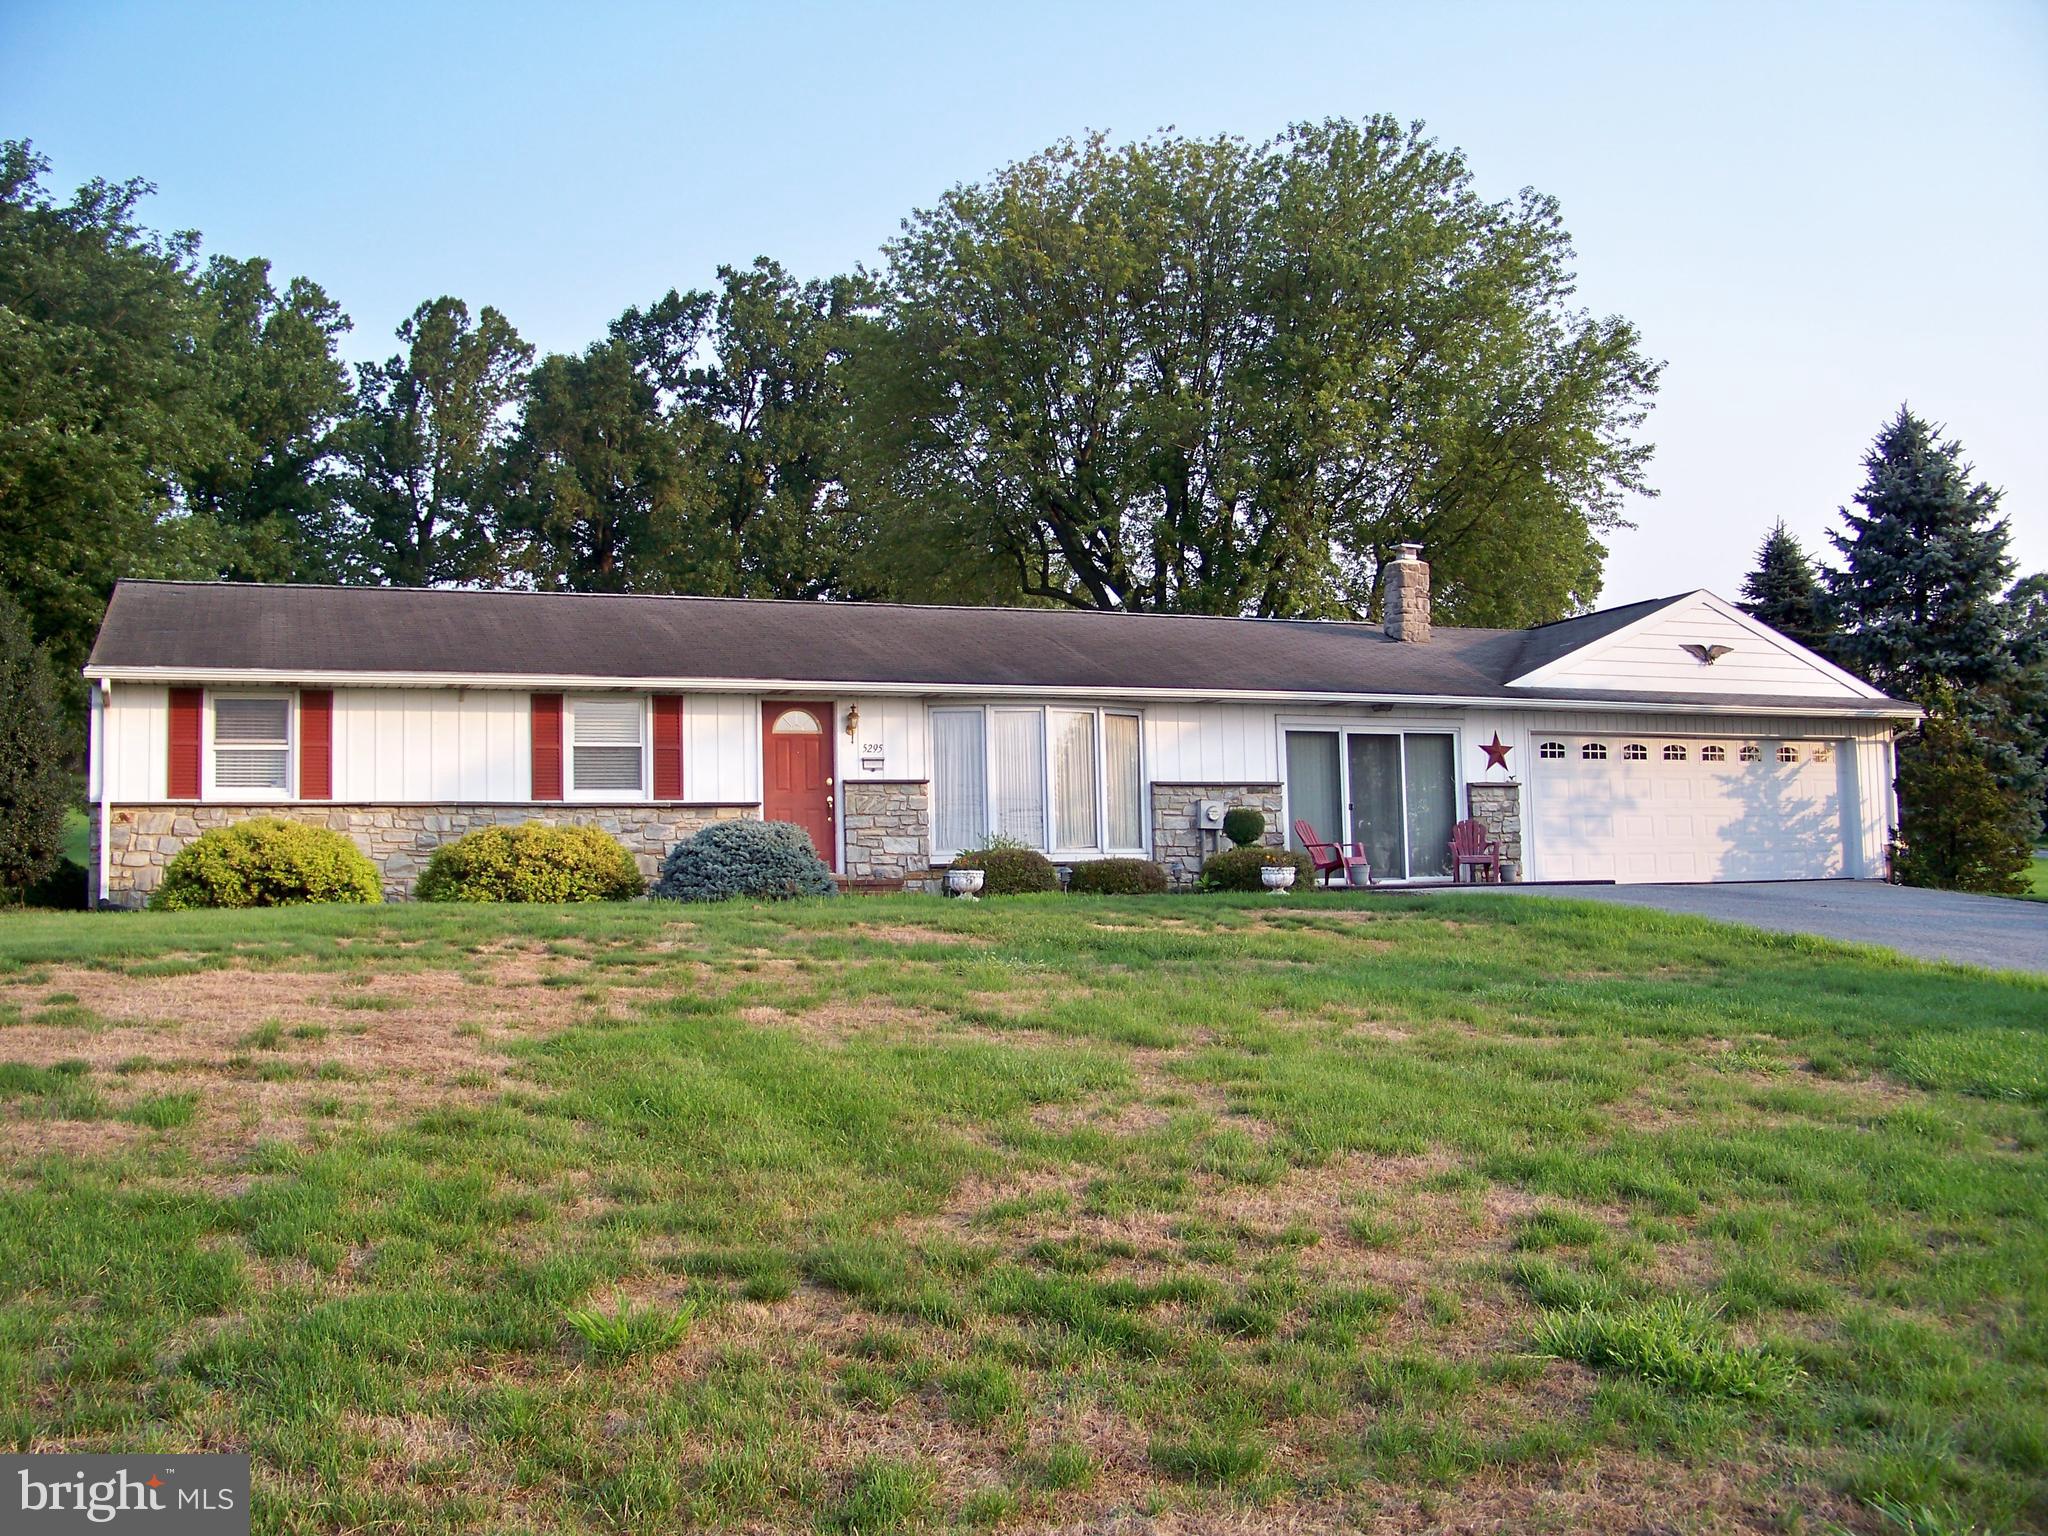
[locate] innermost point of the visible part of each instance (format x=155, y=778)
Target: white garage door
x=1631, y=808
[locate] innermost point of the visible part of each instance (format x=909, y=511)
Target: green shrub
x=532, y=862
x=762, y=860
x=267, y=862
x=63, y=888
x=1244, y=825
x=1118, y=877
x=1011, y=871
x=1237, y=869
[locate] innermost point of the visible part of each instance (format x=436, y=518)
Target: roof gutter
x=569, y=682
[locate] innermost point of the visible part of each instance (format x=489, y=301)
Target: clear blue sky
x=1812, y=211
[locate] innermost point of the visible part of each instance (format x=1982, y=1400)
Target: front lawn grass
x=889, y=1215
x=2037, y=878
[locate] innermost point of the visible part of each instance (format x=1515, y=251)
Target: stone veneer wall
x=398, y=838
x=1499, y=806
x=1181, y=846
x=888, y=829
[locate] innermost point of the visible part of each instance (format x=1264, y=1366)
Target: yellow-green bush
x=1011, y=871
x=532, y=862
x=267, y=862
x=1241, y=869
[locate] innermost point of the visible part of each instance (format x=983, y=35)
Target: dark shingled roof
x=200, y=627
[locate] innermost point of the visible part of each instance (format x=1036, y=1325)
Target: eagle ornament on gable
x=1705, y=655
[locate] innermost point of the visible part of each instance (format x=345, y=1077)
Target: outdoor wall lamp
x=852, y=721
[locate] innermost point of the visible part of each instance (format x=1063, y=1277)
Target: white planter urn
x=966, y=883
x=1277, y=877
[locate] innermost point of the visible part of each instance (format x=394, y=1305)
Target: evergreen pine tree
x=35, y=785
x=1785, y=592
x=1923, y=565
x=1960, y=828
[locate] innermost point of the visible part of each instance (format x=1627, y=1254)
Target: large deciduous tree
x=422, y=455
x=598, y=494
x=1207, y=376
x=752, y=378
x=104, y=401
x=281, y=390
x=1785, y=592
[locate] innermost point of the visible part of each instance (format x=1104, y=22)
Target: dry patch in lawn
x=269, y=1053
x=883, y=933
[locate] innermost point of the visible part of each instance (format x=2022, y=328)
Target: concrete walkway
x=1993, y=931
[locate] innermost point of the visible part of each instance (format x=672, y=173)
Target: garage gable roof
x=1697, y=643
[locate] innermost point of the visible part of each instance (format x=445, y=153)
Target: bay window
x=1061, y=780
x=1073, y=770
x=1016, y=775
x=1123, y=781
x=959, y=779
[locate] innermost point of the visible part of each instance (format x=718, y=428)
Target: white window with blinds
x=1068, y=782
x=252, y=745
x=608, y=747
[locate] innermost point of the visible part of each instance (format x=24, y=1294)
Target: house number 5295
x=870, y=748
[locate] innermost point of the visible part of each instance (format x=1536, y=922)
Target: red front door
x=797, y=778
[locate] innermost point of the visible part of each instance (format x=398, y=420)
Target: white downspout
x=96, y=784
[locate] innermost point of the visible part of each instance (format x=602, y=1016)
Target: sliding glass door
x=1315, y=786
x=1429, y=768
x=1394, y=793
x=1375, y=763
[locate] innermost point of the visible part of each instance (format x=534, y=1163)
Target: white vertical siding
x=897, y=726
x=420, y=745
x=137, y=735
x=722, y=748
x=1211, y=744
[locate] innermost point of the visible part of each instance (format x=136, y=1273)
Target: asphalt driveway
x=1934, y=925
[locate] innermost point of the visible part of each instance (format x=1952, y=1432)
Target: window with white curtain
x=959, y=780
x=252, y=742
x=1073, y=778
x=1124, y=781
x=607, y=745
x=1016, y=774
x=1061, y=780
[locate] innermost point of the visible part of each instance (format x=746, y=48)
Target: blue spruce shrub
x=764, y=860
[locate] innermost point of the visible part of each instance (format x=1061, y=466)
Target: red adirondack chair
x=1330, y=858
x=1472, y=849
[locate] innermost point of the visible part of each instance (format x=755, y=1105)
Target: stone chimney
x=1404, y=603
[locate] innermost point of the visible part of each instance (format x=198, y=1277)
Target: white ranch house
x=1674, y=740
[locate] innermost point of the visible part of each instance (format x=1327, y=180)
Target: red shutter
x=316, y=744
x=187, y=732
x=668, y=746
x=547, y=746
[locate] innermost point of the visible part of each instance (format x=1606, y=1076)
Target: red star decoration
x=155, y=1481
x=1496, y=751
